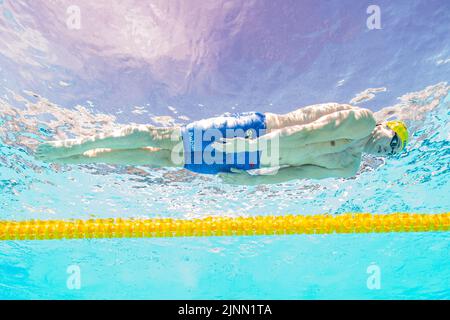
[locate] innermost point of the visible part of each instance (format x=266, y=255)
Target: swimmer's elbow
x=350, y=171
x=348, y=174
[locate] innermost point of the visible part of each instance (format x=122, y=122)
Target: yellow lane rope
x=218, y=226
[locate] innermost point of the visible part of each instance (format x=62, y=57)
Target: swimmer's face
x=382, y=141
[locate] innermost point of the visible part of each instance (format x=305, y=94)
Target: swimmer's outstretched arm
x=351, y=124
x=240, y=177
x=130, y=137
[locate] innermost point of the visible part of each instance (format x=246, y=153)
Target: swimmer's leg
x=144, y=156
x=132, y=137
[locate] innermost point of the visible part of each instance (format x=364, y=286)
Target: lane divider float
x=224, y=226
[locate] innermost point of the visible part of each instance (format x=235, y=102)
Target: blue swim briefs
x=201, y=157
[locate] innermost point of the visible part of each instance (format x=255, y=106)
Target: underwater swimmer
x=315, y=142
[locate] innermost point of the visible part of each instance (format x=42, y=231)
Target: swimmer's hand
x=238, y=177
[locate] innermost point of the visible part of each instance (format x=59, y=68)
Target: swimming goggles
x=395, y=142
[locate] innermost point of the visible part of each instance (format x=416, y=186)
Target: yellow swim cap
x=399, y=127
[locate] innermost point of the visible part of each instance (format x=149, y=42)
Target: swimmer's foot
x=53, y=150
